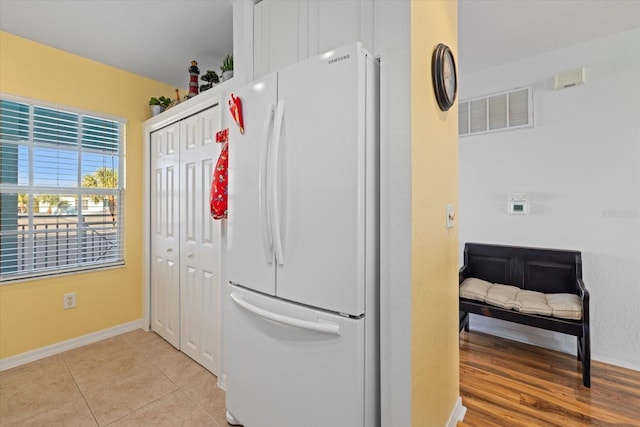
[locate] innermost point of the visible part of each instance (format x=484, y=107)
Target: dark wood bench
x=543, y=270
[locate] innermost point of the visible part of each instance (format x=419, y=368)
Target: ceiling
x=494, y=32
x=153, y=38
x=159, y=38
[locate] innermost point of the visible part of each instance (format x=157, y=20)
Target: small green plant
x=227, y=64
x=160, y=101
x=211, y=77
x=164, y=101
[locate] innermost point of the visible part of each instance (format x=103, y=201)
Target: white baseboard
x=525, y=334
x=50, y=350
x=541, y=338
x=457, y=414
x=222, y=382
x=634, y=366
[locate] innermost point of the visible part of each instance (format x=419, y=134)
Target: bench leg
x=464, y=321
x=586, y=357
x=579, y=352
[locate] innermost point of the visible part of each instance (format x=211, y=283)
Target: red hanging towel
x=218, y=197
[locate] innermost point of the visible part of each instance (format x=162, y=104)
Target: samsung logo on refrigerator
x=338, y=59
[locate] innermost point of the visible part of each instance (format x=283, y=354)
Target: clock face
x=448, y=75
x=445, y=82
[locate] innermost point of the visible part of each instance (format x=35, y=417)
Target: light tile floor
x=134, y=379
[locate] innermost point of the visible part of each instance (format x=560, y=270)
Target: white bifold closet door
x=199, y=240
x=165, y=244
x=186, y=242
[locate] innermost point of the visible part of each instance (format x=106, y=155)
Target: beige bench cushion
x=503, y=296
x=475, y=289
x=564, y=306
x=532, y=302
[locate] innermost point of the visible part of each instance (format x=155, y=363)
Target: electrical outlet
x=69, y=300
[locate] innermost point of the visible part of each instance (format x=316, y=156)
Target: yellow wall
x=434, y=145
x=31, y=314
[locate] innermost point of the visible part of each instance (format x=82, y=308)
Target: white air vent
x=496, y=112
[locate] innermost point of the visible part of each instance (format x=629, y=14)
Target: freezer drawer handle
x=325, y=328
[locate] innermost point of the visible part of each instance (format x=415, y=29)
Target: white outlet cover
x=451, y=216
x=69, y=300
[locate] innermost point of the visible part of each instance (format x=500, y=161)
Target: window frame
x=79, y=192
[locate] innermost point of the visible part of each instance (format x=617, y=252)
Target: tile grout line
x=199, y=406
x=174, y=383
x=38, y=414
x=133, y=348
x=180, y=388
x=75, y=382
x=141, y=350
x=149, y=361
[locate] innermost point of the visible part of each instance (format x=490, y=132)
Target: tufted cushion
x=473, y=288
x=502, y=296
x=564, y=306
x=532, y=302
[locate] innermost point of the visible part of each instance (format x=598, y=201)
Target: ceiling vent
x=500, y=111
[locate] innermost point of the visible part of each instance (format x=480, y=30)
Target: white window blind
x=61, y=191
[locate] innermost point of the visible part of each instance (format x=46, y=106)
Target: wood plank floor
x=507, y=383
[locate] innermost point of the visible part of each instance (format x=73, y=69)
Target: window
x=61, y=190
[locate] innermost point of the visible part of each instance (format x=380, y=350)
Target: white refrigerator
x=302, y=308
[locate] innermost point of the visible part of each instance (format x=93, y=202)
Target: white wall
x=580, y=166
x=393, y=46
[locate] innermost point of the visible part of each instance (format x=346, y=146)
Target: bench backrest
x=536, y=269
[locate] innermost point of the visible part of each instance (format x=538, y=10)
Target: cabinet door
x=200, y=241
x=279, y=34
x=165, y=276
x=336, y=23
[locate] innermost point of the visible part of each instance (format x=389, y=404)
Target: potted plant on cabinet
x=154, y=105
x=227, y=68
x=158, y=105
x=211, y=77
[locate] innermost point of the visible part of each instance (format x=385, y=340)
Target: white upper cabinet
x=335, y=23
x=279, y=34
x=286, y=32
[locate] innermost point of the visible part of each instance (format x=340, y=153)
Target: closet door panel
x=189, y=269
x=209, y=246
x=199, y=240
x=165, y=315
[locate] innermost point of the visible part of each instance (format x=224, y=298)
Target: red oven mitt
x=218, y=196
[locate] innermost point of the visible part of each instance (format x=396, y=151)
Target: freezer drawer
x=288, y=365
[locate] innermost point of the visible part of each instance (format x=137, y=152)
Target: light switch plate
x=451, y=216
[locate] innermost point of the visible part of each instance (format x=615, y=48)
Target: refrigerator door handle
x=264, y=187
x=275, y=188
x=325, y=328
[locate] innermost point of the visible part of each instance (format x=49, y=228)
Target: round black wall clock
x=445, y=79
